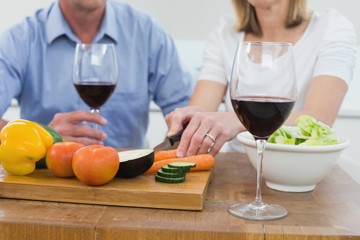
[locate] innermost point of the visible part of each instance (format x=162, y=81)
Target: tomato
x=96, y=164
x=59, y=158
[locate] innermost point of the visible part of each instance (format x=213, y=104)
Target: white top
x=327, y=47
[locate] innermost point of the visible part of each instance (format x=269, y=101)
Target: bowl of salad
x=297, y=157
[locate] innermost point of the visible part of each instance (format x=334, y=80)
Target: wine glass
x=95, y=74
x=263, y=93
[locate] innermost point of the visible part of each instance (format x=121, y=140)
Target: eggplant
x=135, y=162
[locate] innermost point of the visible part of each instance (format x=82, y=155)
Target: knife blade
x=170, y=142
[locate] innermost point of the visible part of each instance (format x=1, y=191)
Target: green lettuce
x=308, y=132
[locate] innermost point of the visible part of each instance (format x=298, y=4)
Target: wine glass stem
x=97, y=111
x=260, y=144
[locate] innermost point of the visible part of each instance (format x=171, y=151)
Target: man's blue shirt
x=36, y=64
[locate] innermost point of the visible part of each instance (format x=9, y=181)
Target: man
x=36, y=63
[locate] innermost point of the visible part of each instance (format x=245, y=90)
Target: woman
x=325, y=52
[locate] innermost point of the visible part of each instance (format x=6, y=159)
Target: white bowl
x=294, y=168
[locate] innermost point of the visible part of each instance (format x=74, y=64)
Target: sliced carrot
x=203, y=162
x=165, y=154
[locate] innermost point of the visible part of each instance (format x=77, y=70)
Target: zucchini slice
x=182, y=164
x=174, y=172
x=169, y=180
x=185, y=166
x=177, y=174
x=169, y=169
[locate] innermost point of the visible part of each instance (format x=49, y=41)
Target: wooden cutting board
x=142, y=191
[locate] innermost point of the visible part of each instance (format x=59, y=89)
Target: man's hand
x=69, y=126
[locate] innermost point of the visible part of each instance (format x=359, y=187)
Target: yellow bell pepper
x=23, y=143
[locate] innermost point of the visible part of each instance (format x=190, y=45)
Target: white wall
x=190, y=19
x=15, y=10
x=187, y=19
x=349, y=8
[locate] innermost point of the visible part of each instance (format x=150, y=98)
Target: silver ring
x=211, y=137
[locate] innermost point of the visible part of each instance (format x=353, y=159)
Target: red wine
x=95, y=94
x=262, y=116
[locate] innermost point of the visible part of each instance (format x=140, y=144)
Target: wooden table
x=331, y=211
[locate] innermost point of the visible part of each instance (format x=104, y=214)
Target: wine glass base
x=253, y=212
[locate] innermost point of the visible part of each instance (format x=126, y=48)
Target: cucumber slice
x=178, y=174
x=169, y=169
x=185, y=166
x=169, y=180
x=182, y=164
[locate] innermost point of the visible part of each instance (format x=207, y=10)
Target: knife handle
x=176, y=138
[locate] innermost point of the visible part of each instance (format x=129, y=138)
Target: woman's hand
x=206, y=132
x=69, y=126
x=177, y=119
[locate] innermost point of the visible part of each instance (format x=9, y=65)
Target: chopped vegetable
x=135, y=162
x=169, y=180
x=169, y=169
x=308, y=132
x=184, y=166
x=203, y=162
x=178, y=173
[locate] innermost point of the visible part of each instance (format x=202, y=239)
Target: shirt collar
x=57, y=26
x=108, y=26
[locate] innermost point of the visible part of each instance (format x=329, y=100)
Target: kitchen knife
x=170, y=142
